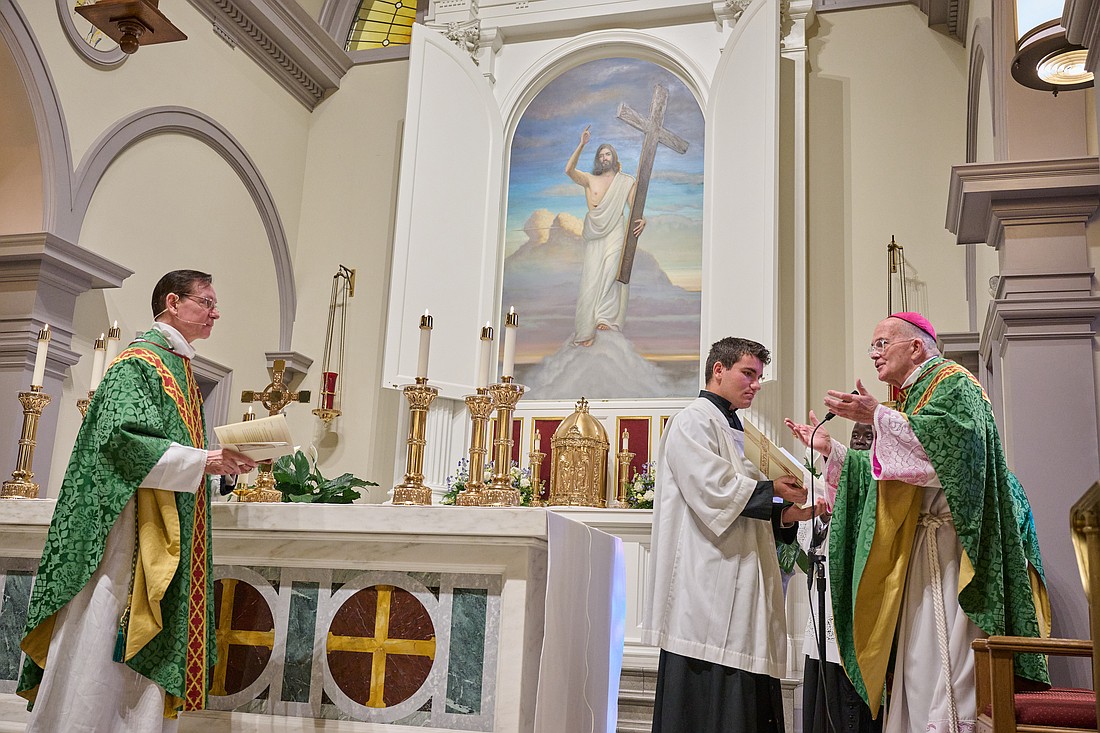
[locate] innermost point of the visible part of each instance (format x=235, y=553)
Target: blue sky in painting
x=590, y=94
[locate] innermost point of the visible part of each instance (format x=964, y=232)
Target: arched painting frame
x=656, y=352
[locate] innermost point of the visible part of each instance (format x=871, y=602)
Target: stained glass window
x=381, y=24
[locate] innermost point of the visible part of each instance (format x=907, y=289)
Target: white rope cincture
x=934, y=522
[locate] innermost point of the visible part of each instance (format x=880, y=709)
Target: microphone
x=830, y=415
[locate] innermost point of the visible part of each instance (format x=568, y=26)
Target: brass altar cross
x=654, y=133
x=276, y=395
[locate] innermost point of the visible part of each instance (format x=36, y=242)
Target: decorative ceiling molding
x=285, y=41
x=1081, y=19
x=946, y=16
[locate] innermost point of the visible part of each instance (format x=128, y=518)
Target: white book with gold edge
x=771, y=459
x=262, y=439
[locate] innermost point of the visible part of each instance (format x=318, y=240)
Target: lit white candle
x=626, y=440
x=114, y=344
x=538, y=441
x=511, y=324
x=99, y=355
x=38, y=377
x=425, y=345
x=484, y=355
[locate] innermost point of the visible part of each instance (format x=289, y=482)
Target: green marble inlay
x=13, y=615
x=302, y=622
x=467, y=653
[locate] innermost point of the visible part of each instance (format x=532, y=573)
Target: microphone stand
x=822, y=720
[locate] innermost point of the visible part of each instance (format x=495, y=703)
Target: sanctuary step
x=636, y=691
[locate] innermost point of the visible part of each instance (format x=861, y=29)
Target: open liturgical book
x=263, y=439
x=770, y=458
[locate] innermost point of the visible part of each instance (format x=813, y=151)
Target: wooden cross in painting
x=655, y=133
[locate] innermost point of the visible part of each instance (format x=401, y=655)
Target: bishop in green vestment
x=120, y=632
x=932, y=542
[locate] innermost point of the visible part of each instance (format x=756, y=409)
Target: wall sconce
x=1045, y=59
x=131, y=23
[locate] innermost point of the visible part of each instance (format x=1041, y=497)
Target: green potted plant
x=301, y=482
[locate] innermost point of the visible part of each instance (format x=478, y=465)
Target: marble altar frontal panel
x=16, y=579
x=381, y=646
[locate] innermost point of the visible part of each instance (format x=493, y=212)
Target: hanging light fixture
x=895, y=267
x=131, y=23
x=343, y=287
x=1045, y=59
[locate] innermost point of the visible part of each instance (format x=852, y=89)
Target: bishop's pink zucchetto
x=917, y=320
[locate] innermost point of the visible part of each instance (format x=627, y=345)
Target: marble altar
x=381, y=618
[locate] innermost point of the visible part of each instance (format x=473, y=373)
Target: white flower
x=525, y=483
x=648, y=496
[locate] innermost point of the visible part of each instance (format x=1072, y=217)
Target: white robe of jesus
x=602, y=298
x=714, y=589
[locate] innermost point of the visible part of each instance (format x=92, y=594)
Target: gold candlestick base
x=625, y=457
x=19, y=490
x=500, y=492
x=263, y=490
x=534, y=459
x=412, y=491
x=480, y=406
x=21, y=486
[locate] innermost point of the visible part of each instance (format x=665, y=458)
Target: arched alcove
x=35, y=163
x=21, y=192
x=182, y=121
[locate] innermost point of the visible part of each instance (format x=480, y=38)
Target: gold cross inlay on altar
x=381, y=645
x=225, y=635
x=276, y=395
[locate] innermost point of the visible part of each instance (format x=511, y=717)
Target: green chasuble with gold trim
x=147, y=400
x=1001, y=586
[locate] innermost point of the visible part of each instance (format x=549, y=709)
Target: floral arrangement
x=639, y=492
x=521, y=481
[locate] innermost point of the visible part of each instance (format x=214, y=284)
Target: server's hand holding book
x=263, y=439
x=771, y=459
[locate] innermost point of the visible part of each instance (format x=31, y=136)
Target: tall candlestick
x=484, y=356
x=39, y=374
x=98, y=357
x=425, y=345
x=626, y=440
x=114, y=344
x=511, y=323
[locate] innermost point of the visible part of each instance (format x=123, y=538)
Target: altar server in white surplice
x=714, y=592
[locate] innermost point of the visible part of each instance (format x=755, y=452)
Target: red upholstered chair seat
x=1065, y=707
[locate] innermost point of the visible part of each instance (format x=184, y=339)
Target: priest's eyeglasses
x=202, y=300
x=878, y=347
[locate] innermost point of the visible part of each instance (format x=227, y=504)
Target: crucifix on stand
x=274, y=397
x=653, y=128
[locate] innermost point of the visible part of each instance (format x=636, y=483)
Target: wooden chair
x=1002, y=709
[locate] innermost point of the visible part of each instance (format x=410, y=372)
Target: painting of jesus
x=605, y=255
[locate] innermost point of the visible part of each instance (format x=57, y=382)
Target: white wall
x=883, y=137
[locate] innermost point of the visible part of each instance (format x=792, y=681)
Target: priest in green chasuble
x=120, y=633
x=932, y=543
